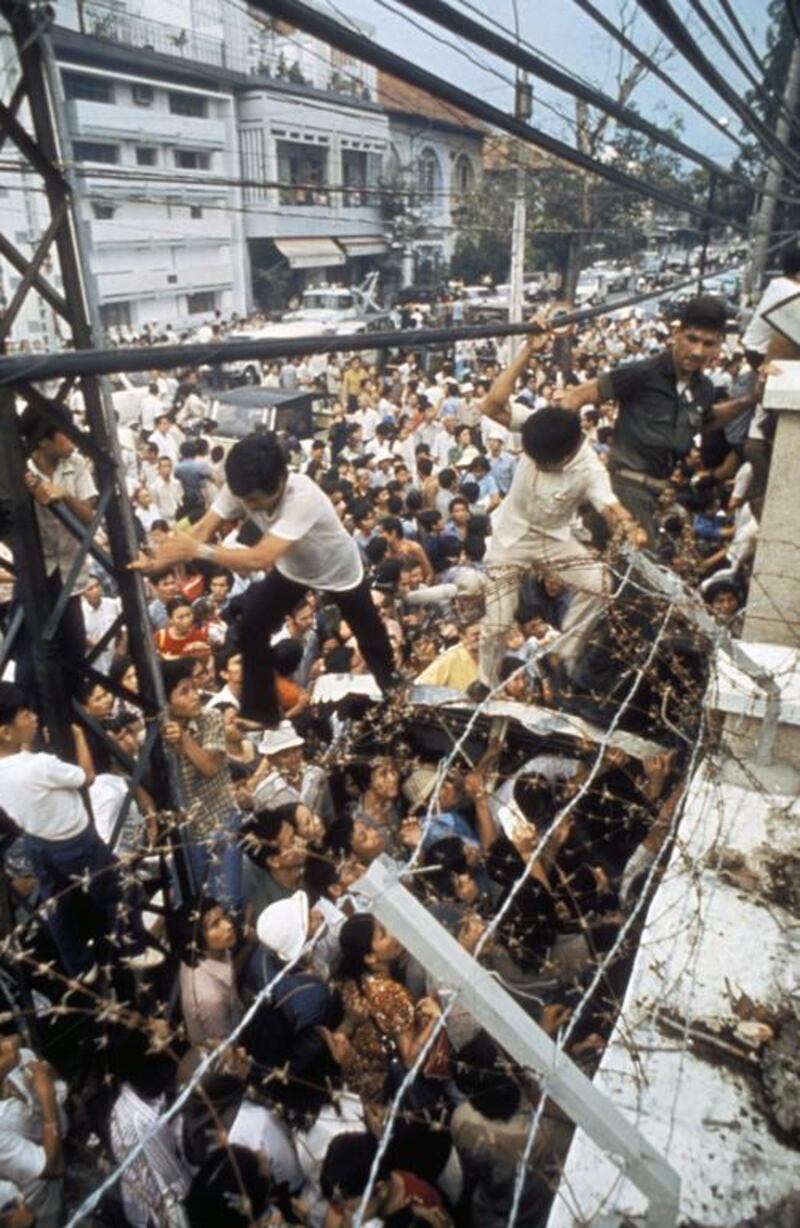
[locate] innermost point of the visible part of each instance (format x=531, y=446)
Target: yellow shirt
x=455, y=668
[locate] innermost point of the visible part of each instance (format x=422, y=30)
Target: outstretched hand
x=178, y=548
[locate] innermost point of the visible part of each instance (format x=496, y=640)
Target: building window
x=429, y=175
x=196, y=212
x=101, y=211
x=78, y=85
x=112, y=315
x=94, y=151
x=254, y=163
x=202, y=300
x=464, y=175
x=188, y=104
x=192, y=160
x=360, y=172
x=143, y=95
x=146, y=155
x=302, y=174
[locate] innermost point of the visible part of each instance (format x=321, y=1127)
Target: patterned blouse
x=386, y=1010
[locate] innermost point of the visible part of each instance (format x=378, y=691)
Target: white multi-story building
x=435, y=161
x=223, y=160
x=150, y=112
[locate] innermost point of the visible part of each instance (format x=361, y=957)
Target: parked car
x=244, y=411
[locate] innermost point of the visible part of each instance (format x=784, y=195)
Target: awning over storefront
x=364, y=245
x=315, y=253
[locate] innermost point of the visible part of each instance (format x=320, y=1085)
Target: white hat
x=283, y=926
x=283, y=738
x=470, y=454
x=467, y=387
x=497, y=432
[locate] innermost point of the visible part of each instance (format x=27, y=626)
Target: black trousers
x=264, y=607
x=68, y=645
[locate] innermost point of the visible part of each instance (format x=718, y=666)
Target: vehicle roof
x=257, y=397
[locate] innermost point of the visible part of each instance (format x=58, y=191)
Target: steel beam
x=513, y=1029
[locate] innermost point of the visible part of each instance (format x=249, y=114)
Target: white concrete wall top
x=710, y=937
x=731, y=690
x=782, y=390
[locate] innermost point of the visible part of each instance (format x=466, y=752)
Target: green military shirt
x=657, y=422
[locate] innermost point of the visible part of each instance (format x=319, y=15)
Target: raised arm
x=578, y=395
x=495, y=404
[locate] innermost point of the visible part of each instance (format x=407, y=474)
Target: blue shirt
x=192, y=474
x=503, y=472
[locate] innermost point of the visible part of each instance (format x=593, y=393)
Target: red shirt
x=194, y=645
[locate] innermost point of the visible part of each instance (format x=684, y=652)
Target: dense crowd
x=142, y=939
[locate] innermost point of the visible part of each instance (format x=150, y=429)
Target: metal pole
x=773, y=178
x=712, y=188
x=522, y=110
x=505, y=1020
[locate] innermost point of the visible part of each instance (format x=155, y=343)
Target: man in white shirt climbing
x=303, y=546
x=532, y=527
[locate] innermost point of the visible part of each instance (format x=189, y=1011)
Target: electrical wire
x=587, y=7
x=724, y=42
x=662, y=14
x=365, y=49
x=730, y=13
x=443, y=14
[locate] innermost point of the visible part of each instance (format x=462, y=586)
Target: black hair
x=149, y=1072
x=255, y=463
x=394, y=505
x=35, y=427
x=347, y=1165
x=259, y=832
x=176, y=603
x=424, y=466
x=480, y=1074
x=187, y=929
x=481, y=462
x=12, y=702
x=355, y=943
x=458, y=499
x=188, y=449
x=160, y=524
x=704, y=311
x=449, y=858
x=391, y=524
x=339, y=660
x=163, y=574
x=174, y=671
x=722, y=586
x=474, y=546
x=790, y=260
x=361, y=509
x=376, y=549
x=428, y=519
x=447, y=478
x=287, y=655
x=339, y=836
x=551, y=435
x=229, y=1191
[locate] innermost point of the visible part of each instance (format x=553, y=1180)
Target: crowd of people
x=319, y=609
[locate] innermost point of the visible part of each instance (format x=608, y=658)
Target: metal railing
x=107, y=21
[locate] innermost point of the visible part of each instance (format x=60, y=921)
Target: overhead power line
x=744, y=38
x=587, y=7
x=662, y=14
x=362, y=48
x=767, y=95
x=444, y=15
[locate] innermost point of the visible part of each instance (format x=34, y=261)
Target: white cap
x=285, y=737
x=283, y=926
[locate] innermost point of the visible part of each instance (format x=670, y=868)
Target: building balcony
x=212, y=228
x=147, y=124
x=142, y=283
x=106, y=21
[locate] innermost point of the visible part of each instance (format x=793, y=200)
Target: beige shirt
x=58, y=545
x=209, y=1001
x=543, y=503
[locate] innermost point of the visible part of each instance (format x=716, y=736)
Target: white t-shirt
x=759, y=332
x=40, y=792
x=262, y=1132
x=322, y=554
x=96, y=622
x=543, y=503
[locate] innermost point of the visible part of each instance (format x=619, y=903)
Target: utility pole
x=762, y=227
x=523, y=108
